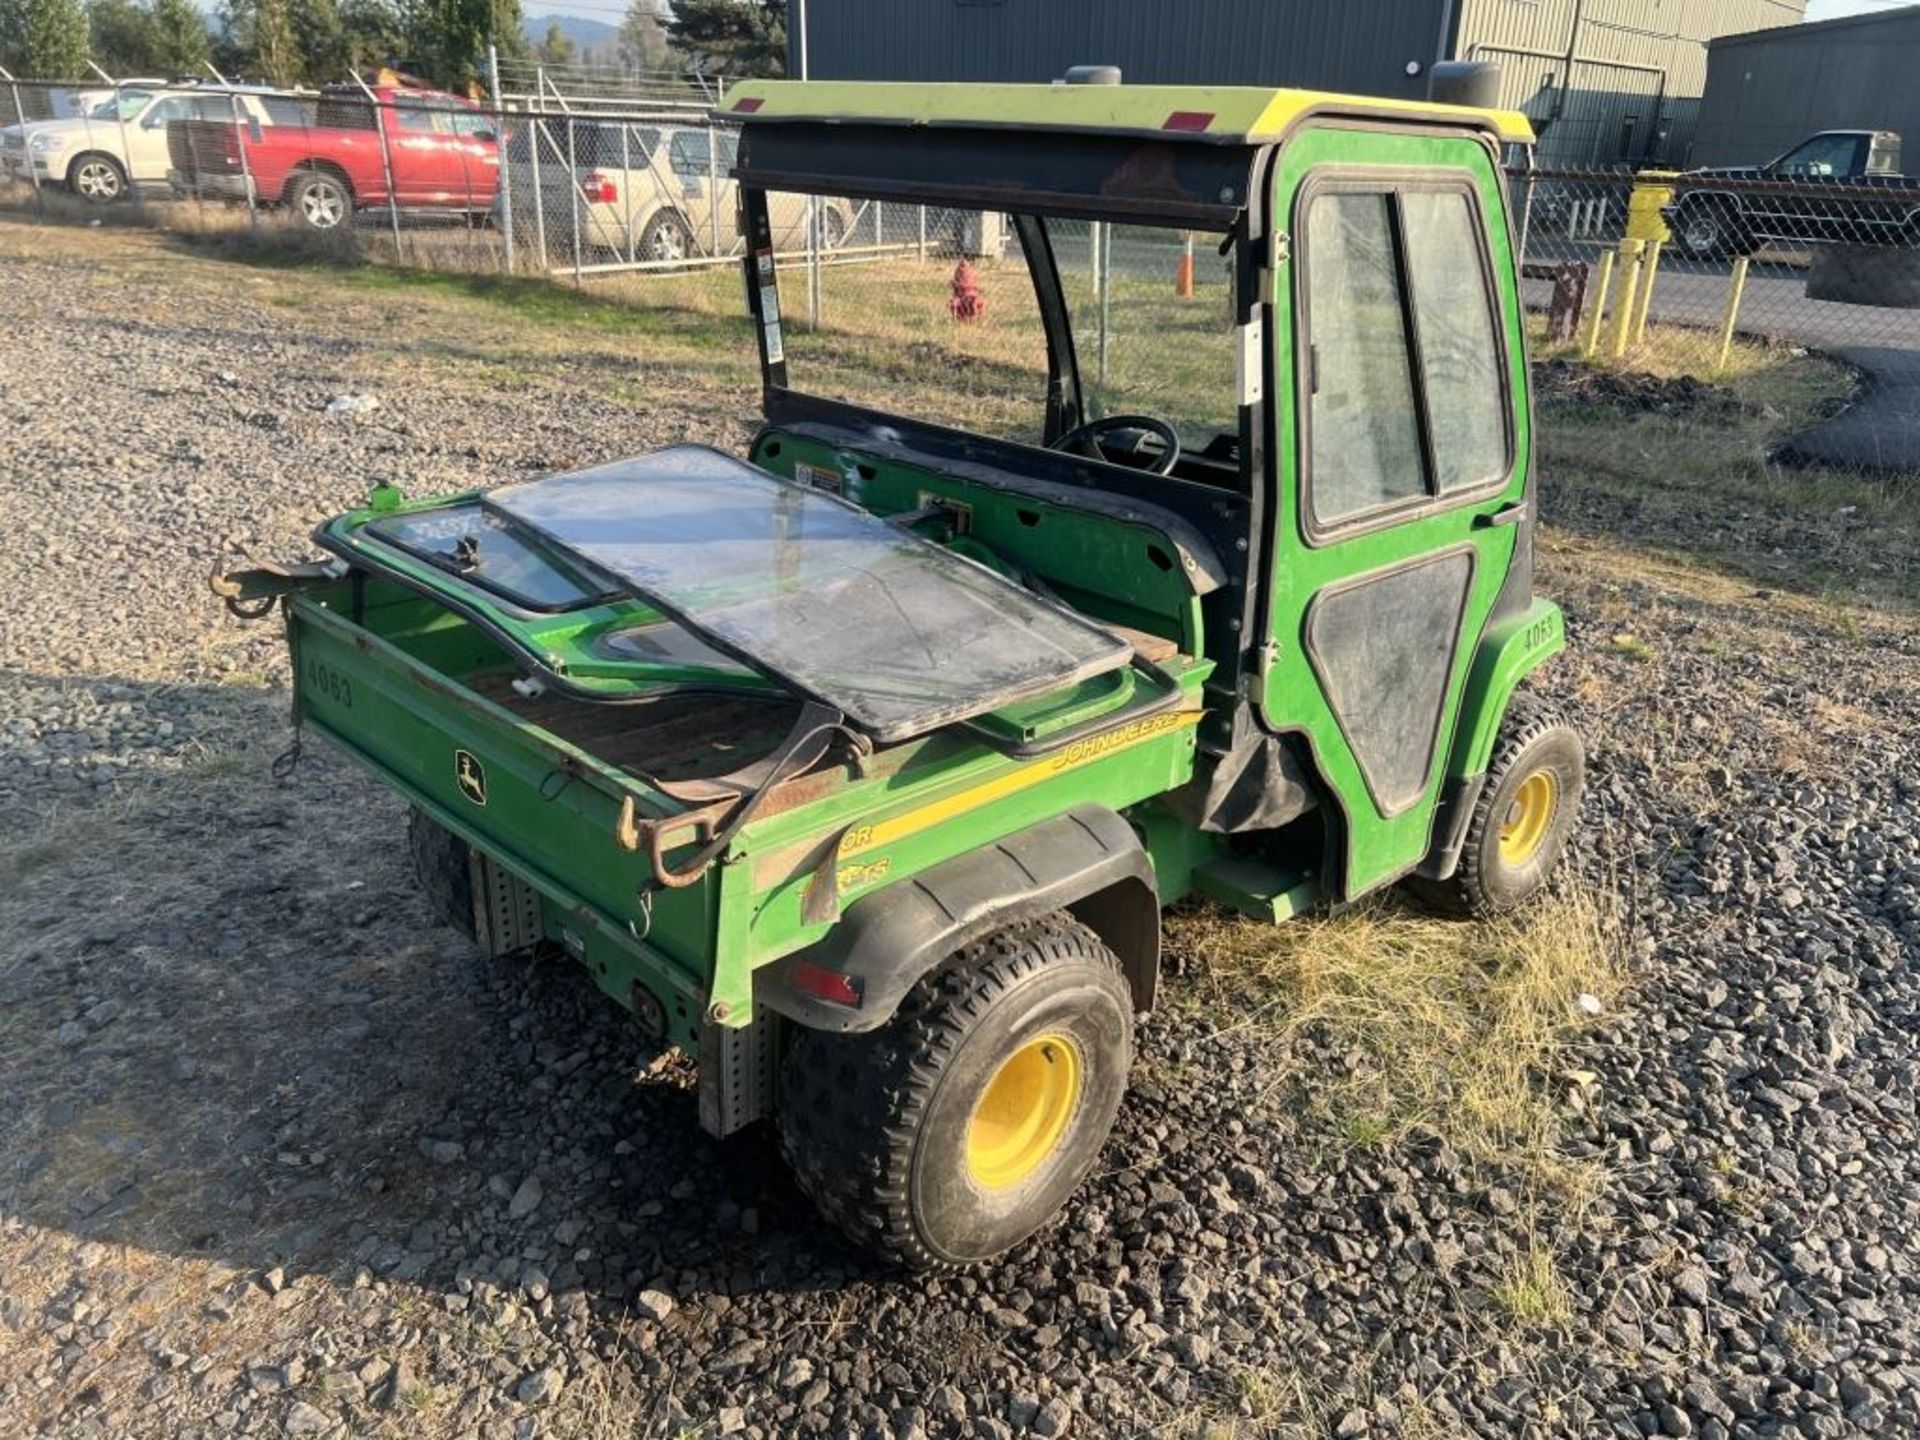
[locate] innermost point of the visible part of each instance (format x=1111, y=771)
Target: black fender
x=1087, y=861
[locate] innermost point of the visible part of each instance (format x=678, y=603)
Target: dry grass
x=1532, y=1291
x=1452, y=1030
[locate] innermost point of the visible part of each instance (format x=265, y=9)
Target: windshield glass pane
x=472, y=542
x=931, y=314
x=1145, y=346
x=897, y=633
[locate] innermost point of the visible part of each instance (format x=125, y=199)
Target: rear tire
x=441, y=862
x=97, y=179
x=320, y=201
x=960, y=1127
x=1523, y=816
x=666, y=239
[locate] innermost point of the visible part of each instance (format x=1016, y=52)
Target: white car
x=122, y=142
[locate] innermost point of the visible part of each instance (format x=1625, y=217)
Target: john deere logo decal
x=473, y=779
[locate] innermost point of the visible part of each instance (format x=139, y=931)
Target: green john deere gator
x=1142, y=509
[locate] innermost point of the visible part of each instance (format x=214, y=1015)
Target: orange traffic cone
x=1183, y=276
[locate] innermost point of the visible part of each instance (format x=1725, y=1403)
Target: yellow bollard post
x=1649, y=273
x=1622, y=317
x=1734, y=293
x=1596, y=307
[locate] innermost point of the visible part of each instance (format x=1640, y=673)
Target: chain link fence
x=1636, y=282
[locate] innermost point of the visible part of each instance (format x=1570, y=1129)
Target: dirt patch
x=1575, y=383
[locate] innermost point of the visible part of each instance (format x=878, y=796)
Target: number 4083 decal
x=329, y=683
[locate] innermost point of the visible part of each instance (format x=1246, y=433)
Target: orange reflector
x=829, y=985
x=1188, y=120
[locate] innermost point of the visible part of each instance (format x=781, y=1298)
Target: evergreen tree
x=321, y=39
x=178, y=33
x=731, y=37
x=643, y=40
x=556, y=48
x=123, y=38
x=375, y=34
x=44, y=39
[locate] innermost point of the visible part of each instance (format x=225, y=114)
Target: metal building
x=1608, y=81
x=1767, y=91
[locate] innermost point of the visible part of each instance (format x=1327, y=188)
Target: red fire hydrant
x=966, y=304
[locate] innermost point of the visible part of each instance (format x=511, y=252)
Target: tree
x=642, y=42
x=259, y=40
x=44, y=39
x=320, y=37
x=123, y=38
x=374, y=34
x=179, y=36
x=731, y=37
x=556, y=48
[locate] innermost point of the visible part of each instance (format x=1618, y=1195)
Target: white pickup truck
x=122, y=142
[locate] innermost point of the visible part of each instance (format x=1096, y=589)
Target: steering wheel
x=1085, y=439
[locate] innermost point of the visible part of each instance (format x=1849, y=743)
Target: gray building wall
x=1766, y=92
x=1630, y=93
x=1627, y=87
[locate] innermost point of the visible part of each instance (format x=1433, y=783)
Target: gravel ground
x=280, y=1156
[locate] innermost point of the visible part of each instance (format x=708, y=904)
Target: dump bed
x=561, y=796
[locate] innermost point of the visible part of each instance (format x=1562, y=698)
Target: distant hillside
x=585, y=34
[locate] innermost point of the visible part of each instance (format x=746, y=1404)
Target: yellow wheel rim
x=1529, y=818
x=1024, y=1111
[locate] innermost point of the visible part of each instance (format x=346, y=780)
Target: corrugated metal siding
x=1767, y=93
x=1328, y=44
x=1639, y=68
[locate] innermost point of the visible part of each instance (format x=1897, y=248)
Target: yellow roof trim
x=1244, y=114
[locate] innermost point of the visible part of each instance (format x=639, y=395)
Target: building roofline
x=1824, y=27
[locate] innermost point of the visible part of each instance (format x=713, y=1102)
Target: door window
x=1365, y=433
x=1822, y=156
x=1406, y=375
x=1460, y=359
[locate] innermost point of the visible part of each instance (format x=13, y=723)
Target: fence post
x=1735, y=291
x=1106, y=295
x=120, y=119
x=1526, y=205
x=1631, y=257
x=506, y=165
x=713, y=188
x=1649, y=273
x=536, y=131
x=240, y=123
x=815, y=296
x=573, y=194
x=26, y=137
x=386, y=161
x=1591, y=340
x=626, y=187
x=923, y=234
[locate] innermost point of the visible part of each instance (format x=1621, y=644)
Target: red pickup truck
x=442, y=155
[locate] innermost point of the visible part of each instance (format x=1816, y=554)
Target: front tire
x=1707, y=230
x=960, y=1127
x=97, y=179
x=1523, y=816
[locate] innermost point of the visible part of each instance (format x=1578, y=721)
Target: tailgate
x=545, y=809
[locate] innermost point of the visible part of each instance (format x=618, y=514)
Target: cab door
x=1401, y=466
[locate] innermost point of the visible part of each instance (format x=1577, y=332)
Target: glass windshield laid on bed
x=896, y=633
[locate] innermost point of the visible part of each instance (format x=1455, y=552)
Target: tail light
x=599, y=189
